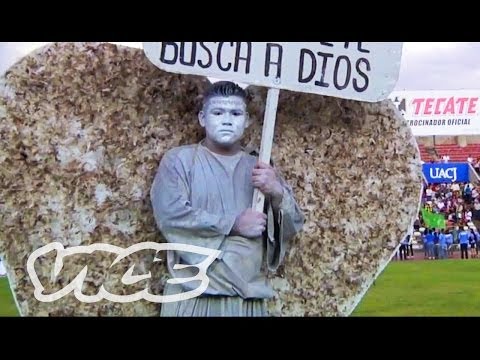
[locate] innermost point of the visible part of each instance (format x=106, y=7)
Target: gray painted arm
x=172, y=208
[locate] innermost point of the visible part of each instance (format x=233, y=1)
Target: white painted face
x=224, y=119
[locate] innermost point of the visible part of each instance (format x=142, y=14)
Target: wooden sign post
x=267, y=141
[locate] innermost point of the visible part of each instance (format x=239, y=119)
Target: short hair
x=224, y=88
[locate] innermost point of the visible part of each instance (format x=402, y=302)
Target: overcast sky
x=425, y=66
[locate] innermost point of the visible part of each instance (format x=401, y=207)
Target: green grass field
x=7, y=305
x=425, y=288
x=408, y=288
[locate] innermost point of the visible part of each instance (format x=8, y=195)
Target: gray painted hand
x=264, y=178
x=250, y=224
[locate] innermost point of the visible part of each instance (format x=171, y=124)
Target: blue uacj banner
x=446, y=173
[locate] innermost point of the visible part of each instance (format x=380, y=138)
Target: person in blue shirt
x=442, y=245
x=429, y=242
x=473, y=243
x=424, y=233
x=449, y=239
x=477, y=238
x=464, y=238
x=436, y=246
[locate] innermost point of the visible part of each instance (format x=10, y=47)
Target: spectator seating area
x=456, y=152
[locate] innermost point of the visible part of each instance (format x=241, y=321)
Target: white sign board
x=440, y=112
x=365, y=71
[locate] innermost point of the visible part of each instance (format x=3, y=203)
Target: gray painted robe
x=196, y=197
